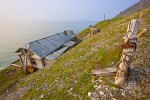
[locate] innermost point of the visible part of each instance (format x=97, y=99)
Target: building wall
x=21, y=56
x=46, y=61
x=39, y=63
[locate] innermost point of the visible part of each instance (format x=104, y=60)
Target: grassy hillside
x=68, y=77
x=9, y=76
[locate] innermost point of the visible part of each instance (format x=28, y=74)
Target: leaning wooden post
x=128, y=48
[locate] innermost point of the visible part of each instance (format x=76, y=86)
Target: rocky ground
x=138, y=85
x=10, y=94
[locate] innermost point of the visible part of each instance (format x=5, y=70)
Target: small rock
x=111, y=95
x=114, y=99
x=99, y=87
x=123, y=94
x=95, y=86
x=70, y=90
x=95, y=95
x=42, y=96
x=89, y=94
x=106, y=89
x=100, y=81
x=101, y=93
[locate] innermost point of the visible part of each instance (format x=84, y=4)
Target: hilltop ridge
x=135, y=8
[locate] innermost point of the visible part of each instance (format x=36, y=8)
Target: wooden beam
x=16, y=65
x=104, y=72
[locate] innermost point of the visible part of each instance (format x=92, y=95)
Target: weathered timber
x=104, y=72
x=16, y=65
x=41, y=52
x=128, y=48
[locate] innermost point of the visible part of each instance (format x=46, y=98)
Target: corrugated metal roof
x=55, y=54
x=69, y=43
x=46, y=46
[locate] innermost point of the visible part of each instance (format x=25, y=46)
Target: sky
x=93, y=10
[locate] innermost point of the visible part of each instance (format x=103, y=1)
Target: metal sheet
x=72, y=35
x=69, y=35
x=57, y=43
x=57, y=53
x=37, y=49
x=64, y=37
x=57, y=36
x=69, y=43
x=47, y=45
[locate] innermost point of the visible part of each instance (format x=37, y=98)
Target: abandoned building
x=93, y=30
x=41, y=52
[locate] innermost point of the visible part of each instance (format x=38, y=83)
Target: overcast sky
x=61, y=9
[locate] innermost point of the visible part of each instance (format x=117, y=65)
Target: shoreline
x=3, y=67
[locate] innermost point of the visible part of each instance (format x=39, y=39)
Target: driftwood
x=104, y=72
x=128, y=48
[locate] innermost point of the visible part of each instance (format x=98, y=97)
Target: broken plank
x=104, y=72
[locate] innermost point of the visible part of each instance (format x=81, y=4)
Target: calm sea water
x=14, y=34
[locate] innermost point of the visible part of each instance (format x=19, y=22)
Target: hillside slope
x=135, y=8
x=69, y=78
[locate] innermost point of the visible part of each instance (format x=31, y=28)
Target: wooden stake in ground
x=128, y=48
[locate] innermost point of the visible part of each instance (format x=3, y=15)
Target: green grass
x=9, y=79
x=72, y=68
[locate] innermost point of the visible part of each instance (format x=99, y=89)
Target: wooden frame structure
x=41, y=52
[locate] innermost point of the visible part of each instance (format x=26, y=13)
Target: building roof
x=55, y=54
x=69, y=44
x=48, y=45
x=58, y=52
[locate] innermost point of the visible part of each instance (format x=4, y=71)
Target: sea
x=14, y=34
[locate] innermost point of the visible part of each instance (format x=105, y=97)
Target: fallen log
x=104, y=72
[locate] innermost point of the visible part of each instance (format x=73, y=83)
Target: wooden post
x=129, y=48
